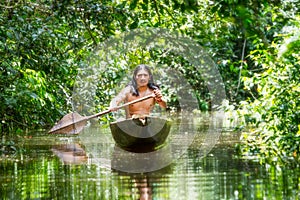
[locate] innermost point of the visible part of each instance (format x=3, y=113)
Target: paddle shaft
x=76, y=119
x=121, y=106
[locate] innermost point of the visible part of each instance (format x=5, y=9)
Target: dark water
x=89, y=166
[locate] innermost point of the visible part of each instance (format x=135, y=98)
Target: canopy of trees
x=255, y=45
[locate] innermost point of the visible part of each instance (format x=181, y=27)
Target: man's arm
x=119, y=98
x=159, y=98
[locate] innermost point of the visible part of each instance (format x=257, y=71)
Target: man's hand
x=158, y=95
x=113, y=109
x=113, y=105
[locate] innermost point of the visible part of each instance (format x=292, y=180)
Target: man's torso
x=140, y=108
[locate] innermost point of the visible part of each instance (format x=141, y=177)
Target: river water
x=199, y=162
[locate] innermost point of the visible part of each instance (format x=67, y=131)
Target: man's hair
x=133, y=83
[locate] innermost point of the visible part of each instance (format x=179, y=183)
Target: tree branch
x=241, y=68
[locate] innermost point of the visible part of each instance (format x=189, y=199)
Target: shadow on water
x=91, y=166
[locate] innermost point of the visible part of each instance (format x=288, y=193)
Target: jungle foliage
x=44, y=44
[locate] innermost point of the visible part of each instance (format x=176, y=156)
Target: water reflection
x=90, y=166
x=70, y=153
x=120, y=160
x=145, y=190
x=140, y=162
x=138, y=185
x=143, y=186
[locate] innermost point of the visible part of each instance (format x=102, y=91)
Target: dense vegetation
x=44, y=44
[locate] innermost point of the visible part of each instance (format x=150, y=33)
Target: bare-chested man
x=141, y=85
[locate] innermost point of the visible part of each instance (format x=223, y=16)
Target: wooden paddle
x=73, y=123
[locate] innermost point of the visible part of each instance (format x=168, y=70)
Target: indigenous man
x=141, y=85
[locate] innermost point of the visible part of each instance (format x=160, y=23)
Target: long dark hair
x=134, y=88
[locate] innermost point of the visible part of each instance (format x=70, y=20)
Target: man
x=141, y=85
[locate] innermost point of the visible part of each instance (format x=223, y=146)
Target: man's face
x=142, y=78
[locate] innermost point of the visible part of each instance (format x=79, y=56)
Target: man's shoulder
x=126, y=89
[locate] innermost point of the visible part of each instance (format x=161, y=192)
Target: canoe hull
x=138, y=135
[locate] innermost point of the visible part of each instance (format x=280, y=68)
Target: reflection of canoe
x=139, y=135
x=123, y=161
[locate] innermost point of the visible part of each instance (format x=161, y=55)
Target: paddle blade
x=71, y=123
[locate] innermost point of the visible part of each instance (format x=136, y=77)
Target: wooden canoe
x=141, y=135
